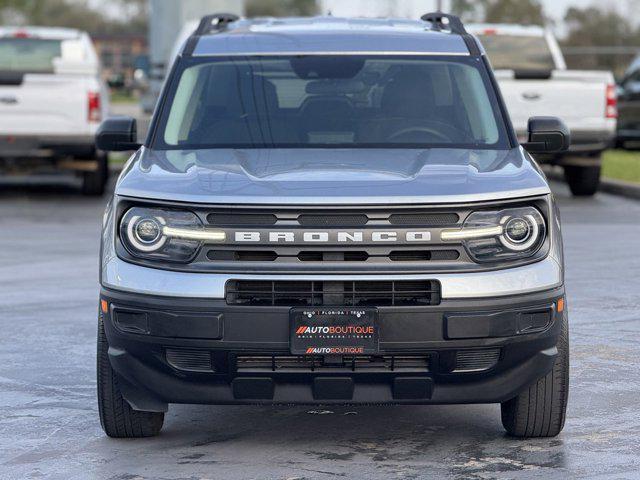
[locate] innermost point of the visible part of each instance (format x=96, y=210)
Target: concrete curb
x=619, y=187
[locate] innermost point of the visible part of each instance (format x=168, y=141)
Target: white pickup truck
x=534, y=80
x=51, y=103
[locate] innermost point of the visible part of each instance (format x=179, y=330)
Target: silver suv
x=332, y=211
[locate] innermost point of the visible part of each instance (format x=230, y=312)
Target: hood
x=331, y=176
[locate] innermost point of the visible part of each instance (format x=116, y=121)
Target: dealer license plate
x=334, y=331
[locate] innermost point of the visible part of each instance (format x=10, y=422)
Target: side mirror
x=547, y=135
x=117, y=134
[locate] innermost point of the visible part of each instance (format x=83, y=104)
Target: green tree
x=280, y=8
x=524, y=12
x=74, y=14
x=465, y=9
x=597, y=28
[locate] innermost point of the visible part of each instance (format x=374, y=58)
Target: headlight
x=169, y=235
x=499, y=235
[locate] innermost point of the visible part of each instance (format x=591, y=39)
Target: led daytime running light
x=208, y=236
x=471, y=233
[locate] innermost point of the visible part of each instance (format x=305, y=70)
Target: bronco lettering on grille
x=379, y=236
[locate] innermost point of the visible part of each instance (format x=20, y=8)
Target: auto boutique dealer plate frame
x=334, y=331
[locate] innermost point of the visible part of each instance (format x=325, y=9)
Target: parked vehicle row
x=52, y=101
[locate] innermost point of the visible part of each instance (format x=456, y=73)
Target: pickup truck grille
x=316, y=293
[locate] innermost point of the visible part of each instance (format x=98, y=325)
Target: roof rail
x=443, y=21
x=215, y=23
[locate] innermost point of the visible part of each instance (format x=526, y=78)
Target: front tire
x=117, y=418
x=582, y=181
x=540, y=410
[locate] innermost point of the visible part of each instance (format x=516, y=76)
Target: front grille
x=476, y=360
x=189, y=359
x=363, y=363
x=352, y=293
x=358, y=240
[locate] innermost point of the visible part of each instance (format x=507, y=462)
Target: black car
x=629, y=106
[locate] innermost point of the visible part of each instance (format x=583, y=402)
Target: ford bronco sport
x=331, y=211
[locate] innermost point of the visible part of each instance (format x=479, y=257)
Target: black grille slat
x=424, y=219
x=331, y=256
x=476, y=360
x=242, y=256
x=189, y=360
x=298, y=363
x=244, y=219
x=345, y=220
x=355, y=293
x=423, y=255
x=349, y=256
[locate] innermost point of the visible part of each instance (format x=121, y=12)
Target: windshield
x=315, y=101
x=517, y=52
x=32, y=55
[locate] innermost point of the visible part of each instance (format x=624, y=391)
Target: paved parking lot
x=49, y=424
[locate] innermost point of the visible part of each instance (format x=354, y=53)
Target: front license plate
x=334, y=331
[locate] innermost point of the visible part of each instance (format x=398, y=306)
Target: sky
x=557, y=8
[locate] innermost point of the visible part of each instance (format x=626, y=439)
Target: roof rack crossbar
x=443, y=21
x=215, y=22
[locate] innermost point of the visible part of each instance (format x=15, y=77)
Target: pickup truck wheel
x=94, y=183
x=582, y=181
x=117, y=418
x=540, y=410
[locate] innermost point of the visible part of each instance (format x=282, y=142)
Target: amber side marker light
x=104, y=306
x=560, y=305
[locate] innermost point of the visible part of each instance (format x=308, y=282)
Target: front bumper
x=145, y=331
x=116, y=274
